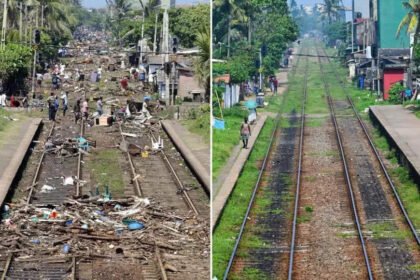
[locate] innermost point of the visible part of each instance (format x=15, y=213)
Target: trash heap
x=98, y=227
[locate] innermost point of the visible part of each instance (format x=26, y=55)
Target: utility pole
x=260, y=70
x=154, y=37
x=4, y=26
x=165, y=50
x=352, y=26
x=20, y=21
x=141, y=42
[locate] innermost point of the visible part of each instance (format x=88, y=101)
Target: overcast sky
x=102, y=3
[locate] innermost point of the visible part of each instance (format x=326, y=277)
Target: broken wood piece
x=129, y=134
x=98, y=237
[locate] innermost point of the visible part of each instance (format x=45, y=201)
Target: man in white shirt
x=3, y=100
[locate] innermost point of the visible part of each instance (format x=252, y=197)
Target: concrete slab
x=193, y=148
x=233, y=168
x=404, y=128
x=12, y=152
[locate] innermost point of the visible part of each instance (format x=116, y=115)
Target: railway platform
x=13, y=149
x=221, y=194
x=403, y=127
x=193, y=147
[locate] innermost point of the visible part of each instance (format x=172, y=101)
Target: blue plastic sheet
x=218, y=123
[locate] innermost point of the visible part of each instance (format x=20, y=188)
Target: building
x=388, y=14
x=186, y=86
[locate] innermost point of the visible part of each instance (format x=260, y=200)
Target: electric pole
x=4, y=26
x=260, y=70
x=154, y=37
x=352, y=26
x=165, y=50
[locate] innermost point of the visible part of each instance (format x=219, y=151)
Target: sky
x=102, y=3
x=312, y=2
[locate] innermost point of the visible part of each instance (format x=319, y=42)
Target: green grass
x=3, y=121
x=386, y=230
x=106, y=170
x=200, y=122
x=225, y=140
x=414, y=267
x=226, y=232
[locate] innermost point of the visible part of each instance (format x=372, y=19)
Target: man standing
x=65, y=103
x=51, y=107
x=3, y=100
x=77, y=111
x=85, y=109
x=39, y=78
x=99, y=106
x=275, y=84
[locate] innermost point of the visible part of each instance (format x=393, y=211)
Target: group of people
x=80, y=108
x=53, y=104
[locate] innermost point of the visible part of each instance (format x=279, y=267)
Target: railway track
x=346, y=170
x=284, y=157
x=380, y=161
x=394, y=255
x=177, y=186
x=80, y=268
x=51, y=170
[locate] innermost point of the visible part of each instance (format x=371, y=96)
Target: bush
x=395, y=93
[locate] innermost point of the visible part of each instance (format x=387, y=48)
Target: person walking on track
x=245, y=133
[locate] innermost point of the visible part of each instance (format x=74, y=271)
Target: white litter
x=47, y=189
x=68, y=181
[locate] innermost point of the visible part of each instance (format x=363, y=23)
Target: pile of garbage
x=97, y=226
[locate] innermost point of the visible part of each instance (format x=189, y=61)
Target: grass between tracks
x=362, y=99
x=106, y=171
x=226, y=232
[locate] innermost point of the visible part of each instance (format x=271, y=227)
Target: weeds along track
x=262, y=240
x=163, y=175
x=48, y=181
x=379, y=214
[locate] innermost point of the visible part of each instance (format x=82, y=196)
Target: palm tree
x=330, y=9
x=233, y=13
x=411, y=19
x=202, y=62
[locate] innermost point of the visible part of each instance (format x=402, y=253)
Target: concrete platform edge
x=393, y=135
x=14, y=165
x=202, y=173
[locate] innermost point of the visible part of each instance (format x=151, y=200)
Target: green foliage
x=336, y=31
x=394, y=93
x=240, y=68
x=185, y=23
x=94, y=18
x=14, y=60
x=248, y=30
x=219, y=69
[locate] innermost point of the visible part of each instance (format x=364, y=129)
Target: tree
x=411, y=19
x=227, y=14
x=14, y=64
x=186, y=23
x=202, y=62
x=330, y=9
